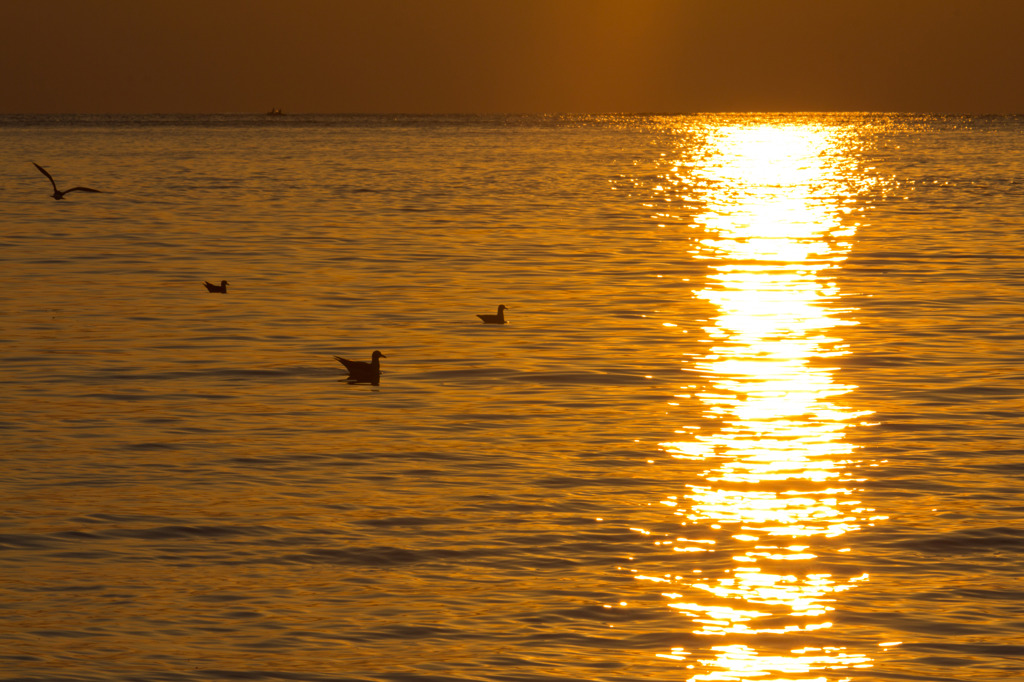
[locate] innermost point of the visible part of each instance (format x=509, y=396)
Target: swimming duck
x=214, y=289
x=495, y=319
x=363, y=371
x=57, y=194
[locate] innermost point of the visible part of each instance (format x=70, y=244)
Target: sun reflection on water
x=777, y=492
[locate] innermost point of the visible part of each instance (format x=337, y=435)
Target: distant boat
x=275, y=112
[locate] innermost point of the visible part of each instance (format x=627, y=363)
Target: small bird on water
x=214, y=289
x=363, y=371
x=57, y=194
x=495, y=319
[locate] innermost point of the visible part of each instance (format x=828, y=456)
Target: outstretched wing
x=43, y=171
x=83, y=189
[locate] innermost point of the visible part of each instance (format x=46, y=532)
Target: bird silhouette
x=57, y=194
x=495, y=319
x=214, y=289
x=363, y=371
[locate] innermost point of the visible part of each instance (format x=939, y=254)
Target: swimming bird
x=214, y=289
x=495, y=319
x=363, y=371
x=57, y=194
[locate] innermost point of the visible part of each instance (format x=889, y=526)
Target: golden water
x=755, y=415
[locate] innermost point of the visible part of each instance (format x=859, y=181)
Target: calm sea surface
x=756, y=413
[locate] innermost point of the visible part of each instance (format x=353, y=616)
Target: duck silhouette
x=57, y=194
x=363, y=371
x=495, y=319
x=214, y=289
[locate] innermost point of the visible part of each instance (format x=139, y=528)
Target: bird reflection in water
x=764, y=528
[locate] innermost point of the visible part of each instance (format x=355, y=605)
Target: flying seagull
x=57, y=194
x=495, y=319
x=363, y=371
x=214, y=289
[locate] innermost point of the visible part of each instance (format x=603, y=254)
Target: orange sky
x=478, y=56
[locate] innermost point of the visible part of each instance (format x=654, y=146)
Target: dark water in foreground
x=756, y=414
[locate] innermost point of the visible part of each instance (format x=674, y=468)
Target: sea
x=754, y=415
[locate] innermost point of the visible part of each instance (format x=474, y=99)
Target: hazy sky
x=467, y=56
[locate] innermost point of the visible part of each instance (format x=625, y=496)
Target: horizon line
x=285, y=114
